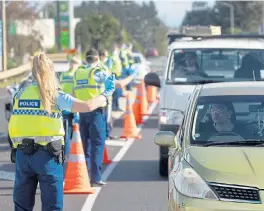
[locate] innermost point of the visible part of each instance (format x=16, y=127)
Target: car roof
x=232, y=88
x=137, y=54
x=231, y=43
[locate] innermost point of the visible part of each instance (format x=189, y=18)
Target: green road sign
x=64, y=24
x=12, y=29
x=64, y=39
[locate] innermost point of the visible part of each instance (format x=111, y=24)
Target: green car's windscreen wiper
x=242, y=143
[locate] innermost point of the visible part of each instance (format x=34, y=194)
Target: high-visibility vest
x=84, y=84
x=117, y=66
x=30, y=119
x=131, y=59
x=66, y=81
x=123, y=54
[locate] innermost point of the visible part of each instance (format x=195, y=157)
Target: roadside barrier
x=27, y=67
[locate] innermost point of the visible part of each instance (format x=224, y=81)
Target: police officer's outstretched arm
x=99, y=101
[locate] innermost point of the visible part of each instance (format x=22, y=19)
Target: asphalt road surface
x=133, y=180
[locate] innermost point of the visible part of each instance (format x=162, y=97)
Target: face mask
x=115, y=53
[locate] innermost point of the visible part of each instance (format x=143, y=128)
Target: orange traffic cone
x=106, y=159
x=137, y=107
x=130, y=126
x=152, y=94
x=143, y=99
x=77, y=180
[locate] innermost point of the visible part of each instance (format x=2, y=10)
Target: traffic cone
x=152, y=94
x=106, y=159
x=77, y=179
x=143, y=99
x=137, y=107
x=130, y=126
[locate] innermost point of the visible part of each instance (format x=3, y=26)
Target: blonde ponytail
x=44, y=74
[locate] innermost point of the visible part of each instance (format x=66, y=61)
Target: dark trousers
x=41, y=168
x=93, y=134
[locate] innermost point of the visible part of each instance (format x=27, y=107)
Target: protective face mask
x=115, y=53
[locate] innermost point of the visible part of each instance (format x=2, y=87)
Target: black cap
x=91, y=54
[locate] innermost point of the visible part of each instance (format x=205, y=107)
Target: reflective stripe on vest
x=85, y=86
x=43, y=140
x=30, y=119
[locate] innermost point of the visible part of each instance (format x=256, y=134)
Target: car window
x=137, y=59
x=238, y=117
x=196, y=65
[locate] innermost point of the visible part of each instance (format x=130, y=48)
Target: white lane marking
x=4, y=135
x=88, y=205
x=5, y=175
x=114, y=143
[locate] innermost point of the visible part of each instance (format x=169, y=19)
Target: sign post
x=64, y=23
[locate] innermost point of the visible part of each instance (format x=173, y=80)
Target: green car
x=216, y=157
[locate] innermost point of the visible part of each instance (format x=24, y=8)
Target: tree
x=140, y=21
x=247, y=16
x=97, y=30
x=26, y=12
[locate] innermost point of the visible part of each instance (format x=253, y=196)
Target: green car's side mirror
x=166, y=139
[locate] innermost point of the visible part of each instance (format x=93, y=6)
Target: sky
x=170, y=11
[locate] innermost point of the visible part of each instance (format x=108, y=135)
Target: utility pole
x=3, y=36
x=71, y=25
x=58, y=26
x=232, y=15
x=262, y=25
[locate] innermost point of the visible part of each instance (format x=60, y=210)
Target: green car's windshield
x=228, y=119
x=194, y=65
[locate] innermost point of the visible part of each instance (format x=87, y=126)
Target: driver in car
x=224, y=121
x=186, y=66
x=192, y=66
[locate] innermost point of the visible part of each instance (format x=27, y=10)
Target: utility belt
x=29, y=147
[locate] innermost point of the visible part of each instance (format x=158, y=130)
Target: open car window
x=196, y=65
x=228, y=118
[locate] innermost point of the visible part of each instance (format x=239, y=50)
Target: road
x=133, y=180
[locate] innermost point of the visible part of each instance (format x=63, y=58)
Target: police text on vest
x=29, y=103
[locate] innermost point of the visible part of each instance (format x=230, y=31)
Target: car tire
x=163, y=167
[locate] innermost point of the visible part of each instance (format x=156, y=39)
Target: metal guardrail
x=26, y=67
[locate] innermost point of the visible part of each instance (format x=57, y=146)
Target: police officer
x=117, y=70
x=131, y=62
x=125, y=64
x=66, y=84
x=36, y=130
x=89, y=83
x=106, y=59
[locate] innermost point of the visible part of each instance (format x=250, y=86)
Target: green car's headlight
x=190, y=184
